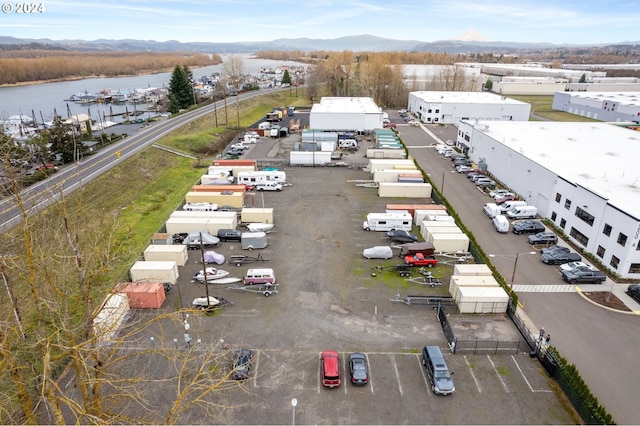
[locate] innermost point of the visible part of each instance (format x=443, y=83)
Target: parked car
x=484, y=182
x=420, y=259
x=378, y=252
x=229, y=235
x=401, y=236
x=528, y=227
x=504, y=198
x=241, y=367
x=358, y=369
x=464, y=169
x=437, y=370
x=330, y=369
x=462, y=162
x=498, y=193
x=560, y=257
x=573, y=265
x=543, y=238
x=554, y=248
x=634, y=291
x=449, y=142
x=584, y=275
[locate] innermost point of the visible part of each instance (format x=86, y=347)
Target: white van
x=501, y=223
x=259, y=276
x=508, y=205
x=522, y=212
x=387, y=222
x=347, y=143
x=492, y=210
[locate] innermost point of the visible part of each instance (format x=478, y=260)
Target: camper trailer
x=262, y=176
x=387, y=222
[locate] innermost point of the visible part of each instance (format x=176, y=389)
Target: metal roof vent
x=611, y=154
x=586, y=176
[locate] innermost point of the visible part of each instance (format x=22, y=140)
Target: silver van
x=437, y=370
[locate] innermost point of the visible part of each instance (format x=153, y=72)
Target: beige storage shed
x=176, y=252
x=154, y=271
x=458, y=281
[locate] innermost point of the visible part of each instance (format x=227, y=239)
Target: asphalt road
x=601, y=343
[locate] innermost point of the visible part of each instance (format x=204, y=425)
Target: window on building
x=614, y=262
x=579, y=236
x=563, y=223
x=435, y=119
x=558, y=197
x=429, y=110
x=553, y=216
x=600, y=252
x=622, y=239
x=567, y=204
x=437, y=111
x=585, y=216
x=638, y=246
x=634, y=268
x=607, y=229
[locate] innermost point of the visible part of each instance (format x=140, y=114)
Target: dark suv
x=560, y=257
x=634, y=291
x=229, y=235
x=528, y=227
x=543, y=238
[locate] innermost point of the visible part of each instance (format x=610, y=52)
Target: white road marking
x=504, y=385
x=473, y=375
x=525, y=378
x=395, y=367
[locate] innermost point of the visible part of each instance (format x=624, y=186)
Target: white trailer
x=309, y=158
x=261, y=176
x=387, y=222
x=236, y=199
x=482, y=300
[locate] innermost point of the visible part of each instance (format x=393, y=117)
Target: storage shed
x=393, y=175
x=450, y=243
x=309, y=158
x=409, y=190
x=154, y=271
x=458, y=281
x=111, y=315
x=381, y=153
x=162, y=238
x=219, y=188
x=144, y=295
x=256, y=214
x=483, y=300
x=175, y=252
x=421, y=212
x=235, y=199
x=432, y=230
x=388, y=163
x=179, y=225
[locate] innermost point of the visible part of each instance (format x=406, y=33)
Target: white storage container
x=471, y=269
x=175, y=252
x=401, y=189
x=156, y=271
x=258, y=215
x=458, y=281
x=236, y=199
x=178, y=225
x=489, y=300
x=420, y=214
x=449, y=243
x=388, y=163
x=441, y=230
x=384, y=153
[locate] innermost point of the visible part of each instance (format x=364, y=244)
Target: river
x=42, y=100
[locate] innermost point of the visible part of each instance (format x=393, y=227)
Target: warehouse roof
x=465, y=98
x=601, y=157
x=346, y=105
x=621, y=98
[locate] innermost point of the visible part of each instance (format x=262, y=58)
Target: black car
x=241, y=367
x=634, y=291
x=229, y=235
x=543, y=238
x=358, y=369
x=528, y=227
x=401, y=236
x=560, y=257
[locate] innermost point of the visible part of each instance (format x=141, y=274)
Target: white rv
x=262, y=176
x=387, y=222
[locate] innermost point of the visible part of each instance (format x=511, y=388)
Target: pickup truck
x=583, y=275
x=420, y=259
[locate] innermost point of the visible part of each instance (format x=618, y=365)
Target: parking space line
x=369, y=365
x=255, y=371
x=525, y=378
x=424, y=375
x=395, y=367
x=504, y=385
x=345, y=368
x=473, y=375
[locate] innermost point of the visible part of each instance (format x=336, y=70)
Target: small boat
x=259, y=227
x=212, y=274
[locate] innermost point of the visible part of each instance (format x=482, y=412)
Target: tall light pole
x=515, y=264
x=294, y=402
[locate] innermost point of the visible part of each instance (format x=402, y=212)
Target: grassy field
x=541, y=106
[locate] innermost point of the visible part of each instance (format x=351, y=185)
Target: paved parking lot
x=328, y=299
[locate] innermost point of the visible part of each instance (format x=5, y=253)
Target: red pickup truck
x=420, y=259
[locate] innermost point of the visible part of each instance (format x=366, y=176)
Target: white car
x=464, y=169
x=449, y=142
x=566, y=267
x=498, y=193
x=378, y=252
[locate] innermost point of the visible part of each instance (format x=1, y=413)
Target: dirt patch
x=607, y=299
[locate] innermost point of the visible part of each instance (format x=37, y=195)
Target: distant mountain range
x=358, y=43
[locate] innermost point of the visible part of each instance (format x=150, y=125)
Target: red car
x=420, y=259
x=330, y=366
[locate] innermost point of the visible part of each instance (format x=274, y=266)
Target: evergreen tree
x=583, y=78
x=286, y=78
x=180, y=89
x=489, y=84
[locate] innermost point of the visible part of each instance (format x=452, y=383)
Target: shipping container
x=431, y=230
x=458, y=281
x=223, y=215
x=180, y=225
x=471, y=269
x=450, y=243
x=387, y=163
x=419, y=213
x=144, y=295
x=219, y=188
x=162, y=238
x=382, y=153
x=432, y=224
x=392, y=175
x=175, y=252
x=408, y=190
x=234, y=163
x=235, y=199
x=309, y=158
x=220, y=178
x=489, y=300
x=112, y=314
x=235, y=169
x=154, y=271
x=411, y=178
x=257, y=215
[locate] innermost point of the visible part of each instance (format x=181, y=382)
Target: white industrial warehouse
x=611, y=106
x=334, y=113
x=451, y=107
x=582, y=176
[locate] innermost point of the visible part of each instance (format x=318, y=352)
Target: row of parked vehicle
x=463, y=164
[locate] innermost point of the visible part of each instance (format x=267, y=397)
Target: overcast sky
x=556, y=21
